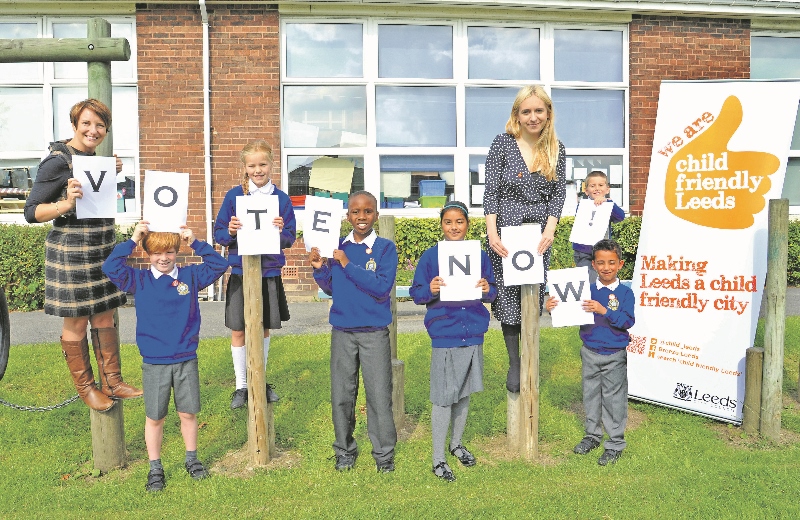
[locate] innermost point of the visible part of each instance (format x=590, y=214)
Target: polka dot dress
x=518, y=196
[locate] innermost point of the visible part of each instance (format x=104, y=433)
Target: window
x=35, y=99
x=418, y=103
x=778, y=57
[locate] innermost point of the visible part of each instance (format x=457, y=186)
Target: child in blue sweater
x=456, y=330
x=167, y=333
x=360, y=277
x=604, y=356
x=256, y=158
x=596, y=188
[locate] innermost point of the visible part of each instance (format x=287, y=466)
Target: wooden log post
x=108, y=428
x=93, y=49
x=386, y=227
x=774, y=322
x=260, y=427
x=751, y=411
x=529, y=373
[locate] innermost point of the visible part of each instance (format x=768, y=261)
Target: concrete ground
x=307, y=318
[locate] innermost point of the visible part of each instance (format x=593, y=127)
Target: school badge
x=371, y=265
x=183, y=289
x=613, y=302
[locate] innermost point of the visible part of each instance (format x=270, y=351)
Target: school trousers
x=605, y=396
x=370, y=351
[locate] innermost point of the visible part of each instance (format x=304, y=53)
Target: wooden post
x=386, y=227
x=97, y=48
x=529, y=373
x=259, y=425
x=751, y=410
x=513, y=421
x=108, y=428
x=774, y=323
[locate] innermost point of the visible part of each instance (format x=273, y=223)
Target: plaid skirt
x=75, y=284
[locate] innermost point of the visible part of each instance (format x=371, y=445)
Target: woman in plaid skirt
x=75, y=286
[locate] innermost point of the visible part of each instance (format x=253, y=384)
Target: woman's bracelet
x=57, y=210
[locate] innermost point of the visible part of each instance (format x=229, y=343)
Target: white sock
x=239, y=355
x=266, y=352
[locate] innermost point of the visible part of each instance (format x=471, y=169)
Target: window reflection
x=324, y=116
x=583, y=55
x=503, y=53
x=416, y=181
x=415, y=51
x=319, y=50
x=415, y=116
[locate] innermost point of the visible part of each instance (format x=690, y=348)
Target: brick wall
x=672, y=48
x=245, y=103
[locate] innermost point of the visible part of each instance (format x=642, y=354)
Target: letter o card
x=258, y=235
x=322, y=223
x=166, y=200
x=98, y=178
x=523, y=265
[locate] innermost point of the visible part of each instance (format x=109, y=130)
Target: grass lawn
x=676, y=465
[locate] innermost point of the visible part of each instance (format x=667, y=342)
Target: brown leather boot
x=106, y=351
x=77, y=355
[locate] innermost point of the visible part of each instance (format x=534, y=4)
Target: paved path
x=307, y=318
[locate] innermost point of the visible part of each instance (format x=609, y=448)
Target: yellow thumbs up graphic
x=712, y=186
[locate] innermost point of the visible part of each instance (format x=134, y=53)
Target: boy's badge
x=369, y=250
x=183, y=289
x=613, y=302
x=175, y=283
x=371, y=265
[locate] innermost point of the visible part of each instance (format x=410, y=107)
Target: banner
x=166, y=200
x=258, y=235
x=719, y=154
x=460, y=267
x=98, y=178
x=322, y=222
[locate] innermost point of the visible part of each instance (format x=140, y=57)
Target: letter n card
x=460, y=266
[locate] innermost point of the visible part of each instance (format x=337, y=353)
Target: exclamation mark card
x=591, y=222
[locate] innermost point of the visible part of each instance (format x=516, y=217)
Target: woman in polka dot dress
x=525, y=182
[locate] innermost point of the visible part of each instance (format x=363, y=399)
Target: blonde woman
x=525, y=183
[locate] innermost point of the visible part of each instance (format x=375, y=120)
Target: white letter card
x=98, y=178
x=570, y=287
x=523, y=265
x=258, y=236
x=591, y=222
x=166, y=200
x=322, y=223
x=460, y=267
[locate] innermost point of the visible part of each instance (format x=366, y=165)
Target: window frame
x=461, y=153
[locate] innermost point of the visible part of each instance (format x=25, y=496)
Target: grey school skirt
x=75, y=284
x=455, y=373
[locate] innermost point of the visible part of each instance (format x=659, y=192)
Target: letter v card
x=166, y=200
x=98, y=178
x=570, y=287
x=258, y=235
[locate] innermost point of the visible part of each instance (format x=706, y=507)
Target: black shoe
x=461, y=453
x=345, y=461
x=239, y=398
x=609, y=457
x=196, y=470
x=443, y=471
x=155, y=480
x=586, y=445
x=271, y=395
x=386, y=466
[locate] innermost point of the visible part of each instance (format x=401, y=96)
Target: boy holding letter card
x=456, y=329
x=604, y=358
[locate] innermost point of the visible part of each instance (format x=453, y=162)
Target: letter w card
x=322, y=223
x=460, y=266
x=258, y=236
x=166, y=200
x=523, y=265
x=98, y=178
x=570, y=287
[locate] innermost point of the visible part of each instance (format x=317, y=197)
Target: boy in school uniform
x=360, y=277
x=604, y=357
x=596, y=188
x=167, y=334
